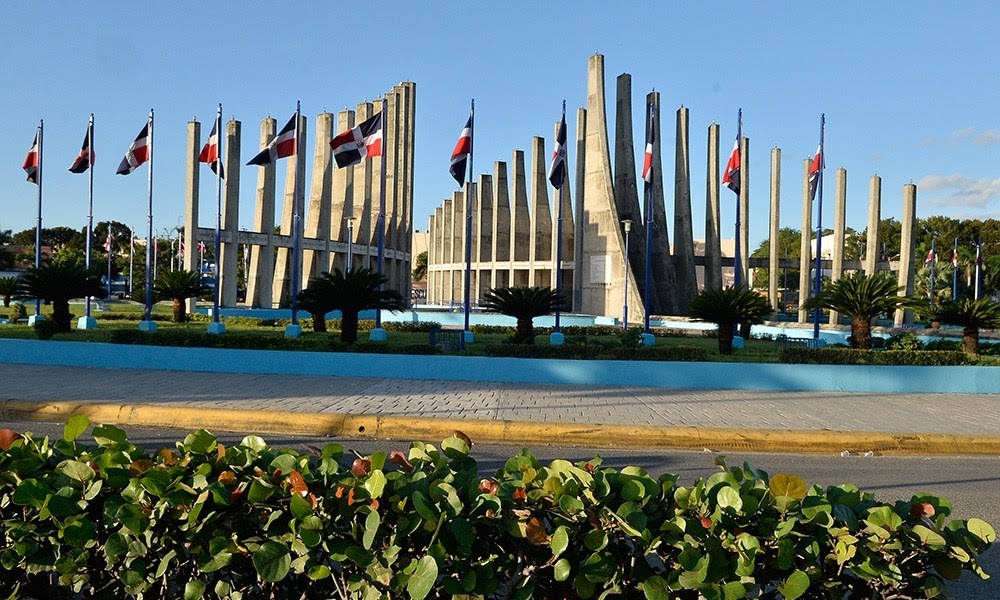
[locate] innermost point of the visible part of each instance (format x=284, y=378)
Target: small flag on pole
x=30, y=165
x=814, y=170
x=362, y=141
x=460, y=155
x=202, y=247
x=137, y=154
x=954, y=257
x=647, y=159
x=731, y=178
x=282, y=146
x=107, y=243
x=210, y=153
x=86, y=158
x=557, y=170
x=930, y=256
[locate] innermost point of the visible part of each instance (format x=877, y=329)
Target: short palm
x=971, y=315
x=178, y=286
x=352, y=292
x=727, y=307
x=8, y=288
x=862, y=298
x=316, y=303
x=524, y=304
x=58, y=284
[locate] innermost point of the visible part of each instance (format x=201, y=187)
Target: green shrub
x=904, y=341
x=45, y=329
x=250, y=521
x=132, y=316
x=852, y=356
x=17, y=312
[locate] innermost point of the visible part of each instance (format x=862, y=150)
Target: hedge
x=597, y=351
x=250, y=340
x=202, y=520
x=852, y=356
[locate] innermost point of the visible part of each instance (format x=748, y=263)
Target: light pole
x=628, y=228
x=784, y=284
x=350, y=242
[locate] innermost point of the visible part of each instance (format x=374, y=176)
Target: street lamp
x=628, y=228
x=350, y=241
x=784, y=284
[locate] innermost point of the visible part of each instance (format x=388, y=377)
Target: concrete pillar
x=626, y=193
x=485, y=235
x=407, y=120
x=581, y=176
x=317, y=217
x=294, y=185
x=713, y=243
x=231, y=215
x=906, y=250
x=341, y=199
x=563, y=200
x=745, y=210
x=392, y=265
x=520, y=248
x=471, y=208
x=502, y=227
x=840, y=213
x=603, y=274
x=663, y=301
x=772, y=254
x=458, y=246
x=262, y=257
x=873, y=246
x=191, y=182
x=541, y=217
x=431, y=258
x=804, y=246
x=447, y=262
x=439, y=255
x=687, y=279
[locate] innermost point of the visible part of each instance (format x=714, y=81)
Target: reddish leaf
x=296, y=484
x=488, y=487
x=588, y=468
x=706, y=523
x=350, y=497
x=520, y=494
x=921, y=509
x=236, y=495
x=220, y=454
x=461, y=435
x=534, y=531
x=374, y=504
x=339, y=493
x=227, y=478
x=361, y=467
x=276, y=476
x=168, y=456
x=398, y=458
x=139, y=466
x=93, y=466
x=592, y=518
x=313, y=501
x=7, y=437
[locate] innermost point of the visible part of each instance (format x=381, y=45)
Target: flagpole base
x=291, y=331
x=648, y=339
x=35, y=319
x=86, y=323
x=147, y=325
x=378, y=335
x=738, y=342
x=216, y=328
x=556, y=338
x=468, y=337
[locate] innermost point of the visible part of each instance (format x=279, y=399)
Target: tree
x=524, y=304
x=788, y=244
x=971, y=315
x=178, y=286
x=8, y=288
x=420, y=268
x=728, y=307
x=58, y=284
x=352, y=292
x=862, y=298
x=6, y=236
x=314, y=301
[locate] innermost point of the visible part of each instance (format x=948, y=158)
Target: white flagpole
x=468, y=218
x=559, y=214
x=381, y=207
x=296, y=223
x=218, y=213
x=38, y=226
x=131, y=261
x=90, y=203
x=149, y=222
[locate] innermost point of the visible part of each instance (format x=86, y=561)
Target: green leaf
x=561, y=570
x=560, y=541
x=272, y=561
x=105, y=435
x=30, y=492
x=194, y=590
x=318, y=572
x=372, y=522
x=200, y=442
x=455, y=447
x=656, y=588
x=929, y=537
x=734, y=590
x=300, y=507
x=132, y=517
x=424, y=507
x=948, y=567
x=570, y=505
x=78, y=534
x=729, y=498
x=788, y=486
x=424, y=576
x=982, y=530
x=260, y=491
x=375, y=484
x=75, y=427
x=255, y=443
x=884, y=517
x=796, y=585
x=311, y=531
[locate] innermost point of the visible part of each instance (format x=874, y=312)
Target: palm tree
x=58, y=284
x=316, y=303
x=8, y=287
x=524, y=304
x=178, y=286
x=726, y=308
x=862, y=298
x=420, y=267
x=972, y=315
x=353, y=292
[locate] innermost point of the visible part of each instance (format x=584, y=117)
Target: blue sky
x=908, y=89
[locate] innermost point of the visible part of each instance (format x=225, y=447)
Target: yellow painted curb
x=397, y=427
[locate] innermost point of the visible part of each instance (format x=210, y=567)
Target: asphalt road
x=971, y=483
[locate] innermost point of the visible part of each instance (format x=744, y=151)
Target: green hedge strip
x=852, y=356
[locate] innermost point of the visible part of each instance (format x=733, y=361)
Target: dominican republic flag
x=361, y=142
x=460, y=155
x=814, y=170
x=210, y=153
x=930, y=257
x=107, y=243
x=30, y=165
x=731, y=178
x=202, y=247
x=557, y=169
x=954, y=258
x=647, y=159
x=85, y=158
x=282, y=146
x=137, y=154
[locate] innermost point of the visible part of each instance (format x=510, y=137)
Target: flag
x=283, y=145
x=954, y=258
x=731, y=178
x=460, y=155
x=202, y=247
x=814, y=170
x=107, y=243
x=137, y=154
x=30, y=165
x=557, y=170
x=930, y=257
x=210, y=153
x=85, y=158
x=361, y=142
x=647, y=159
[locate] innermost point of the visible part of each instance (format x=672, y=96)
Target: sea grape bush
x=202, y=520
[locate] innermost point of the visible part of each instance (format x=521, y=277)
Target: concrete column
x=231, y=215
x=541, y=217
x=447, y=262
x=502, y=227
x=191, y=183
x=804, y=246
x=431, y=258
x=485, y=235
x=687, y=279
x=440, y=228
x=873, y=243
x=906, y=250
x=341, y=198
x=458, y=246
x=392, y=266
x=772, y=254
x=317, y=218
x=262, y=257
x=745, y=210
x=472, y=207
x=408, y=120
x=713, y=244
x=840, y=213
x=520, y=248
x=581, y=177
x=567, y=242
x=294, y=187
x=626, y=193
x=663, y=301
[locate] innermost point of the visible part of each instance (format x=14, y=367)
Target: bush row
x=596, y=351
x=247, y=340
x=853, y=356
x=574, y=330
x=202, y=520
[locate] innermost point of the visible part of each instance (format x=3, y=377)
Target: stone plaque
x=600, y=269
